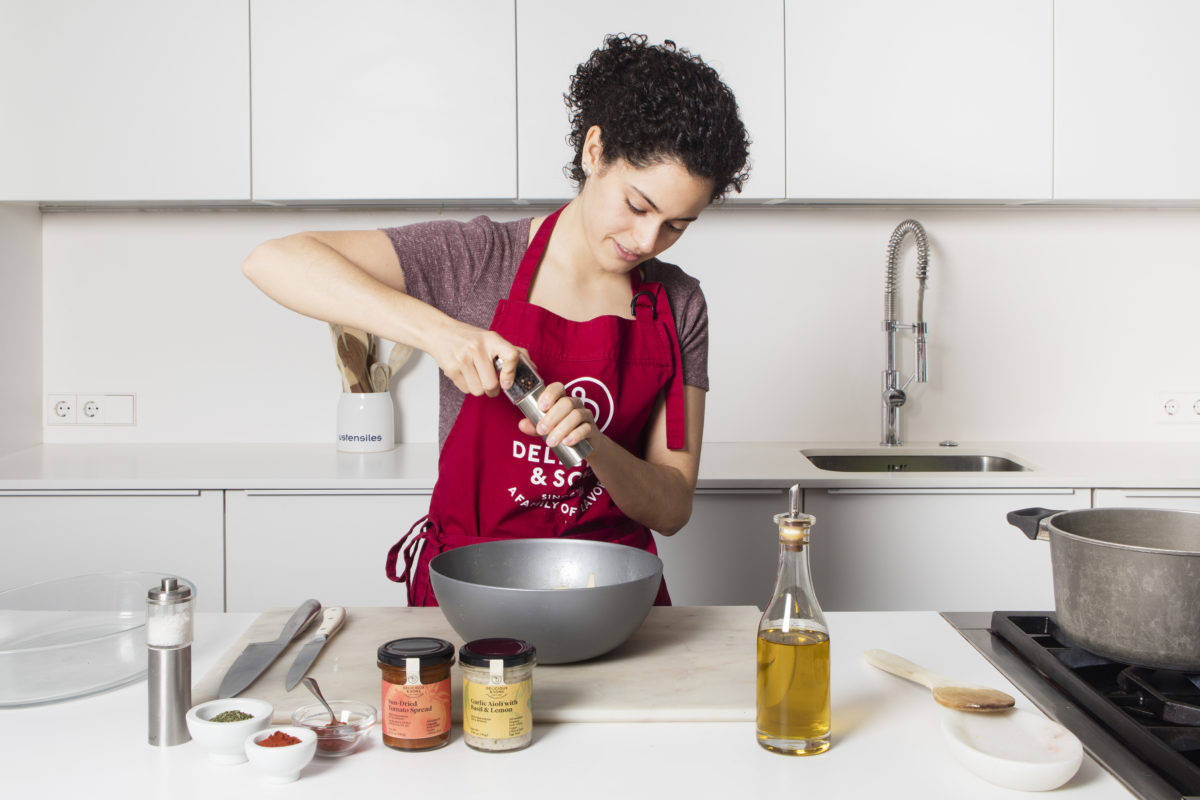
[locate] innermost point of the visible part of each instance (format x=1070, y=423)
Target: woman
x=620, y=338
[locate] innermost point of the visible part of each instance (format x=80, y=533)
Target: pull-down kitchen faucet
x=893, y=393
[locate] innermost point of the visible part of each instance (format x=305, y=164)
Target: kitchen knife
x=331, y=620
x=257, y=656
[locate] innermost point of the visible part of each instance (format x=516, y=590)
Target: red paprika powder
x=278, y=739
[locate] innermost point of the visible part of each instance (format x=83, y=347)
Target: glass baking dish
x=74, y=637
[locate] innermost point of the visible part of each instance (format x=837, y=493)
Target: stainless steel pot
x=1126, y=581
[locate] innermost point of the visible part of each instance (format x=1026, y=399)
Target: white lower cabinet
x=728, y=552
x=1171, y=499
x=930, y=549
x=283, y=547
x=59, y=534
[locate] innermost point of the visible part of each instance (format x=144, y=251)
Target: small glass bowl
x=334, y=741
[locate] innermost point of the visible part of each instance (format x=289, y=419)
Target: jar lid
x=481, y=652
x=171, y=591
x=428, y=650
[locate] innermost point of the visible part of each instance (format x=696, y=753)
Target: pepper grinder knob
x=524, y=393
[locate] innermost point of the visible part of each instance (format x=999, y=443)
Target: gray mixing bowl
x=538, y=590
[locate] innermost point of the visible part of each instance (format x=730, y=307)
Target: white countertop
x=724, y=465
x=886, y=743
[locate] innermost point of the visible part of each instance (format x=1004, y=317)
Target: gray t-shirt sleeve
x=690, y=310
x=460, y=268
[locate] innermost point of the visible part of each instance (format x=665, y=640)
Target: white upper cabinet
x=1127, y=100
x=743, y=42
x=124, y=100
x=920, y=100
x=378, y=99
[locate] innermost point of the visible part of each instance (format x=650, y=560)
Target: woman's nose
x=645, y=235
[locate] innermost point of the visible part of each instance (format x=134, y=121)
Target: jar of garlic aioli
x=415, y=709
x=497, y=694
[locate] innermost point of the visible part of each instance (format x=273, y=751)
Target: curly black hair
x=655, y=103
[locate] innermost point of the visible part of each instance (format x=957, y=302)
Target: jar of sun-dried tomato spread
x=415, y=706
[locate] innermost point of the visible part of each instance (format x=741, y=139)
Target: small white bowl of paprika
x=281, y=753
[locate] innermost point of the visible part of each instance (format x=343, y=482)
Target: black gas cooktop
x=1141, y=724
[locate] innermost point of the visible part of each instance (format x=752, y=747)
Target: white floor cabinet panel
x=48, y=535
x=284, y=547
x=931, y=549
x=727, y=554
x=1170, y=499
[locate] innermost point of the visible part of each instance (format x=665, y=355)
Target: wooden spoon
x=353, y=353
x=950, y=693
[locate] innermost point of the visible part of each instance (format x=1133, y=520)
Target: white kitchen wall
x=20, y=323
x=1046, y=323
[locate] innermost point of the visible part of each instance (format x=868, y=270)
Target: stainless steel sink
x=844, y=461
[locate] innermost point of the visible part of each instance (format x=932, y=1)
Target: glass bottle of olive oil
x=793, y=649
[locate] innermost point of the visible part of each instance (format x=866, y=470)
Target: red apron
x=494, y=482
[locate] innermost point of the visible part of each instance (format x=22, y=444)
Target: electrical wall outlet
x=90, y=409
x=1177, y=407
x=105, y=409
x=61, y=409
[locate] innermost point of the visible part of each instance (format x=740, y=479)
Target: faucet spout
x=893, y=393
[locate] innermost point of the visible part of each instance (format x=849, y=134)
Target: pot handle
x=1029, y=520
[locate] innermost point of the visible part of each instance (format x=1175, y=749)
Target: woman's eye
x=634, y=208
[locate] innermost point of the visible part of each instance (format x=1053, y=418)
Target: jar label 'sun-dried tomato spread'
x=415, y=692
x=416, y=711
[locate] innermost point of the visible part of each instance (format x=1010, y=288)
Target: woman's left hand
x=567, y=420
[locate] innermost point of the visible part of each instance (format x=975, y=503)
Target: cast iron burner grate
x=1155, y=713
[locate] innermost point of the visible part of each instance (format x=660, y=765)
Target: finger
x=576, y=424
x=550, y=396
x=468, y=375
x=489, y=381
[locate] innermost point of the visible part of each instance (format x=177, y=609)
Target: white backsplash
x=1056, y=324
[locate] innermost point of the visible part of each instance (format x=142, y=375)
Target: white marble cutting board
x=684, y=664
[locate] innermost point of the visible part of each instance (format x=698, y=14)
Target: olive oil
x=793, y=649
x=793, y=691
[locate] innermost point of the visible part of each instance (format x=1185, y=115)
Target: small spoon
x=948, y=692
x=311, y=683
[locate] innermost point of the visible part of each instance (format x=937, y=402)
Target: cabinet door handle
x=759, y=492
x=336, y=492
x=1165, y=494
x=963, y=492
x=100, y=493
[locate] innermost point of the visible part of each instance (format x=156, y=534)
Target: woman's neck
x=569, y=282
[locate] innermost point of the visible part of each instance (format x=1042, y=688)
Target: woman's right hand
x=467, y=355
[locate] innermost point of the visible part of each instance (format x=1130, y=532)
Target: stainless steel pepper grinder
x=524, y=393
x=169, y=648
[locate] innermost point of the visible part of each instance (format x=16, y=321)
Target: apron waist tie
x=410, y=546
x=676, y=422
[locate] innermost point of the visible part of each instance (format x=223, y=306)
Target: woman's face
x=631, y=214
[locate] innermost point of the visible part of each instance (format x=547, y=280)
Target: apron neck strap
x=533, y=256
x=527, y=269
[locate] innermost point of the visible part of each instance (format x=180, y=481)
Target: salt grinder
x=526, y=389
x=169, y=644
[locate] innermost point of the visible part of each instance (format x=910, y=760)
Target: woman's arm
x=355, y=278
x=655, y=491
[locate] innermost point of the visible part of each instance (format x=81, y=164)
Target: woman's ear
x=592, y=152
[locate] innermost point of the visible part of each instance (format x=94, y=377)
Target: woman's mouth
x=623, y=254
